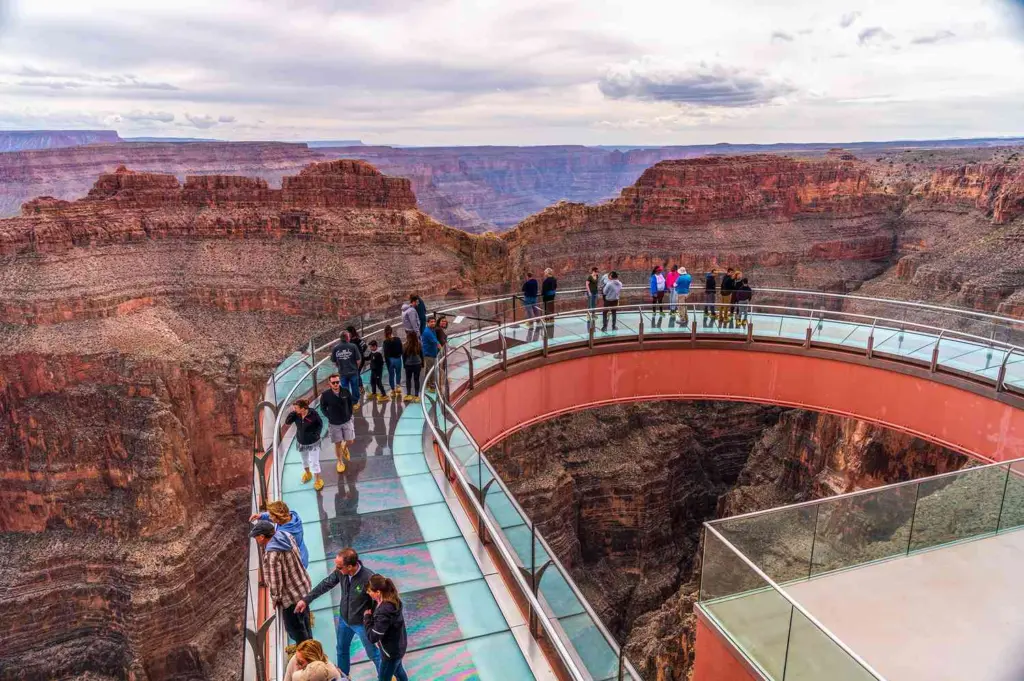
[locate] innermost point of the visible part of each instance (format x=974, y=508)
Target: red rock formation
x=995, y=189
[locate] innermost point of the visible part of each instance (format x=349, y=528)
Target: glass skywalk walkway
x=395, y=505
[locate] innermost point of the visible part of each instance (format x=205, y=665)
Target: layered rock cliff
x=621, y=492
x=23, y=140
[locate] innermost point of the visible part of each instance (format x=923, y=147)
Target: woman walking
x=412, y=357
x=385, y=627
x=393, y=358
x=658, y=285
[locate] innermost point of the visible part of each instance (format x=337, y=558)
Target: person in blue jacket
x=288, y=520
x=683, y=282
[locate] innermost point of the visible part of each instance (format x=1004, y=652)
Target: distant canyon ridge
x=475, y=189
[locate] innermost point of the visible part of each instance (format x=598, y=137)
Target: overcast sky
x=431, y=72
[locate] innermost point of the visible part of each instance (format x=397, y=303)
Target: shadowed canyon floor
x=620, y=493
x=140, y=321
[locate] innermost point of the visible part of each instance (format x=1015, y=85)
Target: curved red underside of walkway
x=955, y=417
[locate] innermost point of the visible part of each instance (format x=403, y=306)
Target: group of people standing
x=371, y=607
x=425, y=338
x=736, y=294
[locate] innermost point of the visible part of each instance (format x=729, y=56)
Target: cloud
x=847, y=19
x=701, y=85
x=203, y=122
x=149, y=116
x=782, y=35
x=873, y=33
x=58, y=80
x=936, y=37
x=225, y=119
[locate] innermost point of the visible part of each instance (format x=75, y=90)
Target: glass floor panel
x=495, y=657
x=387, y=529
x=368, y=496
x=421, y=566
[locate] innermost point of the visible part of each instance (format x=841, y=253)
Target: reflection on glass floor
x=389, y=507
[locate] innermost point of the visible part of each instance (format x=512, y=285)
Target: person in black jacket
x=376, y=358
x=337, y=404
x=308, y=426
x=742, y=296
x=353, y=578
x=547, y=292
x=385, y=627
x=728, y=289
x=710, y=293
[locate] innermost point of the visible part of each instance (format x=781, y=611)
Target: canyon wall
x=24, y=140
x=620, y=493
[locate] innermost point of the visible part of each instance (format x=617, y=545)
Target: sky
x=460, y=72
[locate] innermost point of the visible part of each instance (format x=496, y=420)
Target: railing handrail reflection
x=799, y=608
x=861, y=492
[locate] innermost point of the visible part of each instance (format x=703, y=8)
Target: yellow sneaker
x=306, y=477
x=340, y=467
x=381, y=399
x=409, y=398
x=319, y=484
x=416, y=399
x=356, y=406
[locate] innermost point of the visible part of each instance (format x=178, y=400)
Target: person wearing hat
x=682, y=290
x=286, y=579
x=658, y=286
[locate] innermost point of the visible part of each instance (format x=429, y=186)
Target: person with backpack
x=412, y=358
x=308, y=427
x=385, y=627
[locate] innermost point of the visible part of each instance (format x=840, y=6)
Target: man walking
x=346, y=357
x=430, y=348
x=286, y=579
x=352, y=576
x=612, y=291
x=341, y=428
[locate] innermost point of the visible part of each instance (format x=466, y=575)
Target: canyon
x=141, y=316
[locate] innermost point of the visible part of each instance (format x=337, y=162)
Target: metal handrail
x=799, y=608
x=455, y=466
x=613, y=644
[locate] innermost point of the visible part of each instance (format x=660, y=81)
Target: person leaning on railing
x=288, y=520
x=430, y=349
x=286, y=579
x=310, y=663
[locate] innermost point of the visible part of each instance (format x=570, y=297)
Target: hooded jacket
x=385, y=628
x=658, y=283
x=308, y=428
x=410, y=319
x=294, y=528
x=353, y=599
x=286, y=578
x=347, y=357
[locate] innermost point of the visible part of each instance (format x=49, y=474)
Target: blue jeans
x=346, y=632
x=395, y=372
x=391, y=668
x=591, y=301
x=351, y=383
x=531, y=307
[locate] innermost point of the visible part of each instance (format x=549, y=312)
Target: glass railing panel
x=592, y=647
x=778, y=542
x=862, y=528
x=1011, y=515
x=964, y=355
x=813, y=656
x=1014, y=377
x=956, y=507
x=755, y=616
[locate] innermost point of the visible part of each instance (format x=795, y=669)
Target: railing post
x=935, y=355
x=316, y=388
x=312, y=352
x=750, y=332
x=545, y=341
x=693, y=331
x=807, y=337
x=590, y=333
x=641, y=328
x=1001, y=378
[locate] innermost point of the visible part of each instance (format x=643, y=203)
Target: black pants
x=609, y=304
x=658, y=302
x=297, y=625
x=549, y=309
x=412, y=376
x=377, y=380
